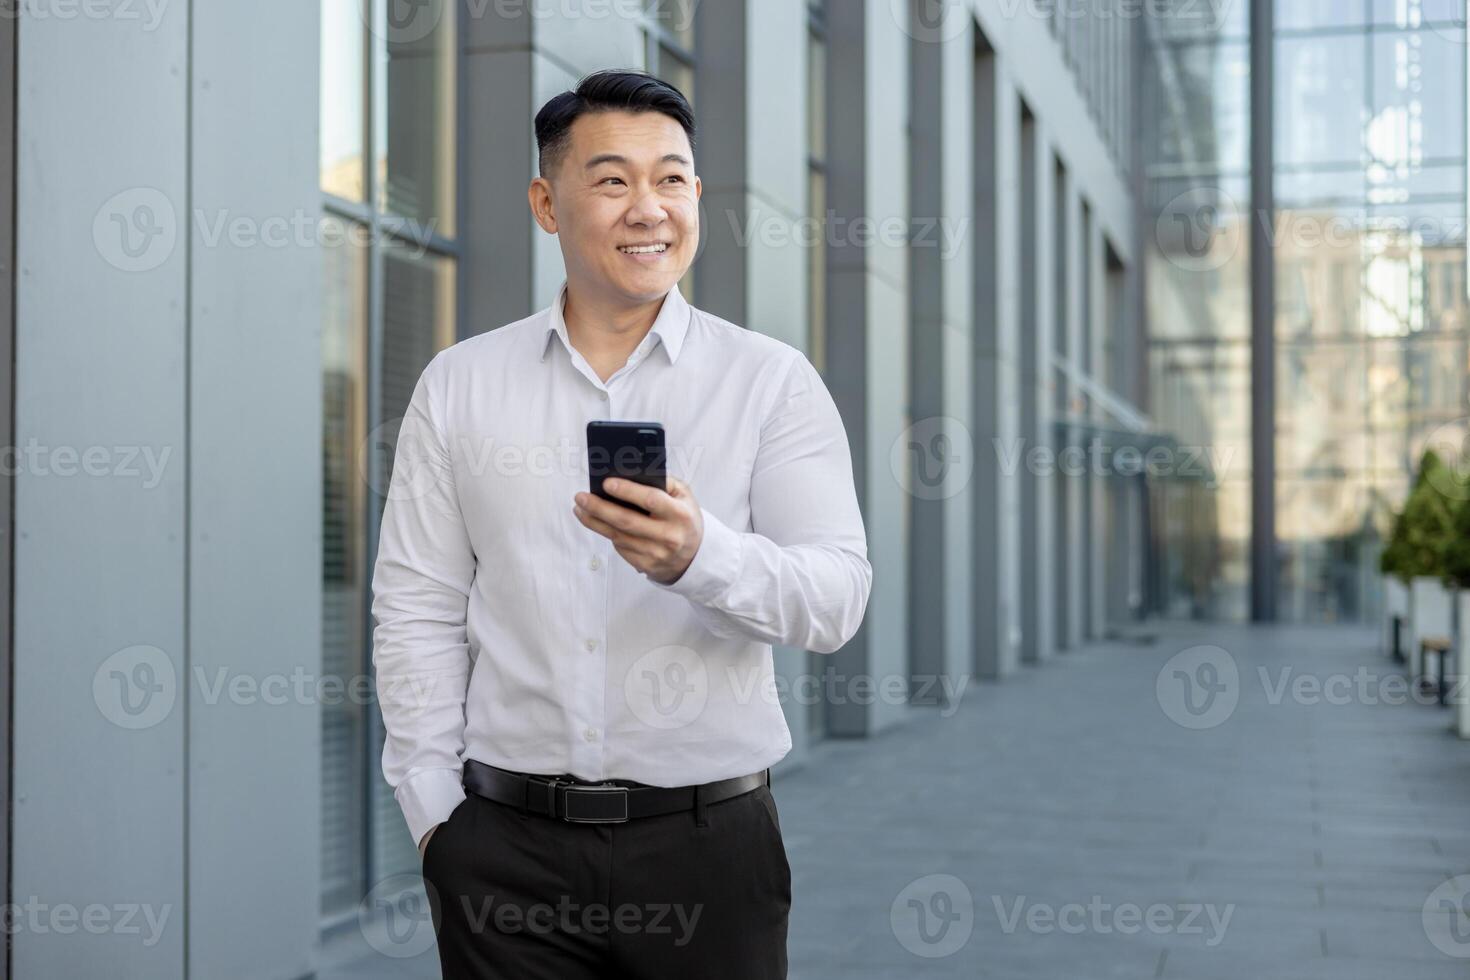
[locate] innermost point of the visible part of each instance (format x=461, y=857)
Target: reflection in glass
x=344, y=37
x=418, y=322
x=1197, y=101
x=1320, y=99
x=345, y=642
x=414, y=99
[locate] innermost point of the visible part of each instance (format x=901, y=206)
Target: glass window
x=1199, y=98
x=344, y=562
x=676, y=18
x=1418, y=99
x=343, y=131
x=1320, y=99
x=389, y=304
x=1307, y=15
x=1364, y=250
x=414, y=102
x=1170, y=20
x=1412, y=13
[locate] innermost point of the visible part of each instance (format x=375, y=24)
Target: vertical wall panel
x=101, y=306
x=255, y=562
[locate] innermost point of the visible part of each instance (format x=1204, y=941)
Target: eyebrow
x=602, y=158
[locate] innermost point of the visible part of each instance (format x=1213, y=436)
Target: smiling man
x=579, y=698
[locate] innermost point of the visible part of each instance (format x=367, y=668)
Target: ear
x=698, y=187
x=543, y=208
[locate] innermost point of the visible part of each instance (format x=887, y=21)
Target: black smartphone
x=630, y=450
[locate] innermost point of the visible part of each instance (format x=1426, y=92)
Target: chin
x=650, y=285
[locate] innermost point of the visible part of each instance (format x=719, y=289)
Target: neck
x=601, y=328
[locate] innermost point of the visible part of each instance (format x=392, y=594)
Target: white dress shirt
x=509, y=633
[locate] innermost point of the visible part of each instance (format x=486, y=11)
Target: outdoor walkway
x=1064, y=825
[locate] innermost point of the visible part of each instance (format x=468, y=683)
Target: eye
x=675, y=177
x=606, y=180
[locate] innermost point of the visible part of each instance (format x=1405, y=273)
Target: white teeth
x=642, y=249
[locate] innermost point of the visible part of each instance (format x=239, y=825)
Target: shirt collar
x=668, y=330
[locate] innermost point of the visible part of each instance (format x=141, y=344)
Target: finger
x=651, y=499
x=616, y=535
x=594, y=523
x=619, y=516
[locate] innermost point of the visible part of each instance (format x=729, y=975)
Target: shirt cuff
x=715, y=567
x=428, y=798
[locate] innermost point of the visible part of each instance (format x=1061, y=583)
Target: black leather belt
x=612, y=801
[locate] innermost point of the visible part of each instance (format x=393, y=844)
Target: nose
x=647, y=210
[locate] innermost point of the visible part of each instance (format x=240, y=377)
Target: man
x=579, y=699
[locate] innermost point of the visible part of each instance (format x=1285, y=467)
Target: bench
x=1441, y=647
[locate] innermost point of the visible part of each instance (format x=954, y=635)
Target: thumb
x=678, y=489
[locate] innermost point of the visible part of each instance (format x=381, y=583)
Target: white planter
x=1395, y=603
x=1432, y=617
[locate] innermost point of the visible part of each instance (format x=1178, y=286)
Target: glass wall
x=1368, y=234
x=389, y=302
x=1370, y=279
x=1195, y=148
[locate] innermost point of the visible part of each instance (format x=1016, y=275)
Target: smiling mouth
x=644, y=249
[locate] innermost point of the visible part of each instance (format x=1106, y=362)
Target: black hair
x=602, y=91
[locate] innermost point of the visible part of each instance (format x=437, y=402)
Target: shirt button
x=590, y=734
x=591, y=645
x=595, y=563
x=602, y=395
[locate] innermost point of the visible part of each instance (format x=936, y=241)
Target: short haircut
x=606, y=91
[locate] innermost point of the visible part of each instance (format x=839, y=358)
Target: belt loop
x=525, y=809
x=768, y=777
x=699, y=815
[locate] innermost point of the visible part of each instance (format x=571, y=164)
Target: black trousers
x=702, y=893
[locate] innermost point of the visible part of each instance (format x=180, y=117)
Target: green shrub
x=1420, y=543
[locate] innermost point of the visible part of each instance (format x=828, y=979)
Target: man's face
x=624, y=203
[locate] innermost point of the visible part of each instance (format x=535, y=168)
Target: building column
x=996, y=420
x=1099, y=486
x=868, y=316
x=753, y=165
x=498, y=155
x=1038, y=392
x=942, y=565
